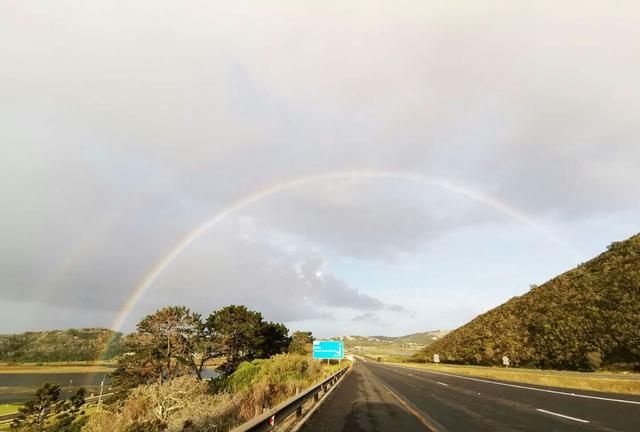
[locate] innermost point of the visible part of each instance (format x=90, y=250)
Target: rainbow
x=89, y=239
x=155, y=272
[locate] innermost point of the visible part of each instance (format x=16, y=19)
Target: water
x=20, y=387
x=209, y=374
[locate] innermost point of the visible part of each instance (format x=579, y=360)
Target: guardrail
x=267, y=421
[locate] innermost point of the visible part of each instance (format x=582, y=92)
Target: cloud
x=329, y=290
x=123, y=129
x=366, y=317
x=373, y=218
x=231, y=267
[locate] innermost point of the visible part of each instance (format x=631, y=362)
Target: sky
x=345, y=167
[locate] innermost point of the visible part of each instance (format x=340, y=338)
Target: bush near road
x=186, y=403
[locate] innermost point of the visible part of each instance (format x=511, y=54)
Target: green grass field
x=9, y=408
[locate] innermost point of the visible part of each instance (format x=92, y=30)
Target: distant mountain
x=60, y=345
x=413, y=341
x=584, y=319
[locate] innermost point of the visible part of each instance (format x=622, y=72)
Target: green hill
x=584, y=319
x=394, y=345
x=60, y=345
x=425, y=338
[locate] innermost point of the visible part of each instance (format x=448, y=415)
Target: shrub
x=188, y=404
x=182, y=403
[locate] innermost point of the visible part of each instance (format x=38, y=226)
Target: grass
x=268, y=382
x=88, y=409
x=9, y=408
x=57, y=367
x=602, y=382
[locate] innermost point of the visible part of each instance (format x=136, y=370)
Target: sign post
x=505, y=361
x=329, y=350
x=436, y=358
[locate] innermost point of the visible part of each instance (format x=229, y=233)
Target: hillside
x=59, y=345
x=584, y=319
x=398, y=345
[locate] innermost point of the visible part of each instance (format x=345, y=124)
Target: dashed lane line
x=562, y=415
x=578, y=395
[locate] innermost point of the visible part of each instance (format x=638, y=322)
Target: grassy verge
x=603, y=382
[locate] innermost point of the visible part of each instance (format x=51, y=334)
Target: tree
x=164, y=346
x=301, y=342
x=205, y=347
x=36, y=414
x=238, y=332
x=275, y=339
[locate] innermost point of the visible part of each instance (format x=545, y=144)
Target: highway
x=381, y=397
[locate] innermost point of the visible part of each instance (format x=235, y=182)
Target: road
x=381, y=397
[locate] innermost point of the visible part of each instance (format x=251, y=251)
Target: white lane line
x=441, y=383
x=562, y=415
x=528, y=388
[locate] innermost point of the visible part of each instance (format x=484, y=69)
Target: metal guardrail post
x=267, y=421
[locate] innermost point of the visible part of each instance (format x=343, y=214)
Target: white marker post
x=436, y=358
x=505, y=361
x=100, y=396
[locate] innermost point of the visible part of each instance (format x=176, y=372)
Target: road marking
x=441, y=383
x=410, y=374
x=562, y=415
x=528, y=388
x=426, y=423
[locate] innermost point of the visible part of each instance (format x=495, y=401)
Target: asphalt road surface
x=380, y=397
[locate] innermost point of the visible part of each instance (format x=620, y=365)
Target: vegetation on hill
x=61, y=345
x=584, y=319
x=392, y=345
x=424, y=338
